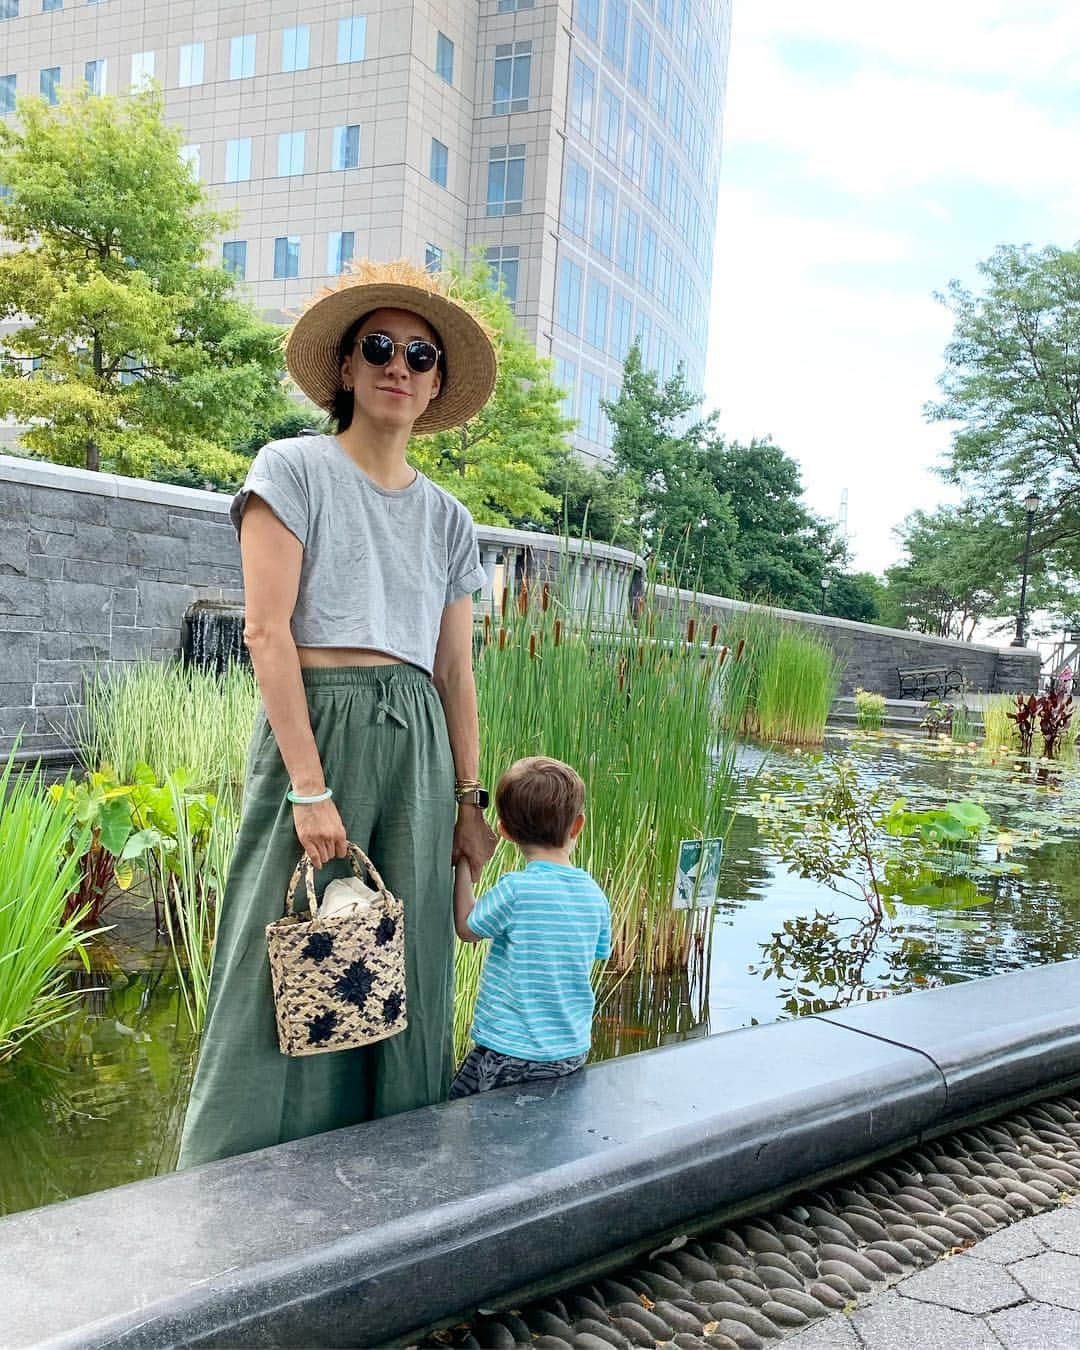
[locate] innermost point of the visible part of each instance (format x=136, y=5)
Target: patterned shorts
x=483, y=1069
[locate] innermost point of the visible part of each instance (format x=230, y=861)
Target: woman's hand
x=474, y=839
x=321, y=832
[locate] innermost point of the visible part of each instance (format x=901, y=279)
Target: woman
x=358, y=577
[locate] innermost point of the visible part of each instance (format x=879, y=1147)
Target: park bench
x=923, y=682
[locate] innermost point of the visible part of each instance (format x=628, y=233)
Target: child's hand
x=474, y=840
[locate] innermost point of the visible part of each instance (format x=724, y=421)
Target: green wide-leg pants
x=382, y=737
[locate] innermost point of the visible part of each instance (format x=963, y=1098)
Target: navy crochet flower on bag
x=385, y=931
x=355, y=985
x=391, y=1008
x=321, y=1028
x=319, y=946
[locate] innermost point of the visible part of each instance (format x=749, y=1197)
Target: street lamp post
x=1031, y=505
x=825, y=583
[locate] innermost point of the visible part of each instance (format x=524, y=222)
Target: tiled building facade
x=576, y=141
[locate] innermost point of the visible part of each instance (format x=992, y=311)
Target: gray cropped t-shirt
x=379, y=566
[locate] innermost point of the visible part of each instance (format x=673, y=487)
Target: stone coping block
x=992, y=1038
x=41, y=473
x=363, y=1234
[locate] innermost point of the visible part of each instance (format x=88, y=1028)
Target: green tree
x=781, y=550
x=680, y=515
x=952, y=576
x=596, y=501
x=496, y=464
x=856, y=595
x=132, y=354
x=1012, y=386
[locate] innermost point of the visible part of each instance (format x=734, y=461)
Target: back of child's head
x=538, y=799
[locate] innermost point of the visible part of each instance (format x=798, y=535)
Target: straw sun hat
x=312, y=345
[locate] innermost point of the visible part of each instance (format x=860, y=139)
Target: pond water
x=102, y=1101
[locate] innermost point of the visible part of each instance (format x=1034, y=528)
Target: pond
x=102, y=1101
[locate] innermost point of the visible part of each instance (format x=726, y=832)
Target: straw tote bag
x=339, y=981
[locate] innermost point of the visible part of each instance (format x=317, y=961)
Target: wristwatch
x=472, y=796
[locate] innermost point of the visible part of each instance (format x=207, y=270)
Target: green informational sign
x=697, y=873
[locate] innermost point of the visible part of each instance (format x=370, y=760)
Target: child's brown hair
x=538, y=799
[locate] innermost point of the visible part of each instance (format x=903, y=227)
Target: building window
x=626, y=256
x=592, y=392
x=615, y=32
x=513, y=67
x=661, y=79
x=286, y=257
x=242, y=57
x=49, y=84
x=642, y=329
x=569, y=309
x=648, y=259
x=347, y=147
x=7, y=93
x=671, y=190
x=639, y=57
x=142, y=70
x=621, y=311
x=290, y=154
x=339, y=251
x=659, y=348
x=234, y=258
x=192, y=157
x=295, y=48
x=678, y=104
x=663, y=9
x=582, y=97
x=47, y=5
x=94, y=73
x=576, y=197
x=654, y=177
x=566, y=379
x=351, y=37
x=610, y=123
x=603, y=218
x=596, y=308
x=663, y=281
x=587, y=17
x=9, y=9
x=192, y=56
x=510, y=6
x=238, y=160
x=440, y=162
x=504, y=271
x=444, y=58
x=506, y=180
x=633, y=147
x=433, y=256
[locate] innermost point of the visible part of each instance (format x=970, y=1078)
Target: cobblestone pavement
x=968, y=1241
x=1018, y=1289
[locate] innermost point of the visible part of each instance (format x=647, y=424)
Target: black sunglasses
x=378, y=349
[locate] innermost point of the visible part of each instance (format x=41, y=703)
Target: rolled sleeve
x=277, y=483
x=464, y=571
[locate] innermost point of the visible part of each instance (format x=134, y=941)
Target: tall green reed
x=785, y=685
x=37, y=874
x=170, y=716
x=632, y=702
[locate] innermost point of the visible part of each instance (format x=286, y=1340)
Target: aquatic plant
x=788, y=681
x=869, y=710
x=169, y=716
x=37, y=936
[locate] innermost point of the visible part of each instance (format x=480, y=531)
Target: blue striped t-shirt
x=547, y=926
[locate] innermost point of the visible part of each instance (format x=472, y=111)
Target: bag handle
x=304, y=868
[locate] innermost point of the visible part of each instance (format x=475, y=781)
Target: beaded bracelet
x=308, y=801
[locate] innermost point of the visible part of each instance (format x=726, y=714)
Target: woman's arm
x=474, y=840
x=271, y=557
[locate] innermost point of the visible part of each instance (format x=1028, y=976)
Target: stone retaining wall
x=100, y=570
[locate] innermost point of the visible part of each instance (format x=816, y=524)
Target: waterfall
x=214, y=636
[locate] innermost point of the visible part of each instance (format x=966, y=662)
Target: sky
x=872, y=154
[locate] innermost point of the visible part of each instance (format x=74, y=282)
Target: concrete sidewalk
x=1018, y=1289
